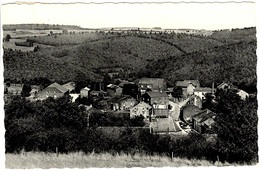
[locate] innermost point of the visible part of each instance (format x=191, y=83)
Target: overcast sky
x=167, y=15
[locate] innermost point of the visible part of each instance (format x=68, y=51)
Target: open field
x=31, y=160
x=29, y=33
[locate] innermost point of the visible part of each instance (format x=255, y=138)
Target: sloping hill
x=234, y=63
x=67, y=62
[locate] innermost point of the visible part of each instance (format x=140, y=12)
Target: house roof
x=185, y=83
x=220, y=85
x=112, y=86
x=85, y=88
x=124, y=82
x=70, y=85
x=203, y=89
x=156, y=94
x=118, y=99
x=243, y=95
x=165, y=125
x=160, y=82
x=59, y=87
x=74, y=97
x=204, y=116
x=142, y=104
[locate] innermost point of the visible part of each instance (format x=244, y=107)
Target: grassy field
x=31, y=160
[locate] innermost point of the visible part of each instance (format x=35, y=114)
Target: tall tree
x=236, y=127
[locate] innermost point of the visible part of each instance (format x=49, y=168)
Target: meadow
x=30, y=160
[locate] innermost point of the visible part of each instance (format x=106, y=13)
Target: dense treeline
x=40, y=27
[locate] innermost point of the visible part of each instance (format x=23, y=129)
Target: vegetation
x=236, y=127
x=235, y=63
x=40, y=27
x=32, y=160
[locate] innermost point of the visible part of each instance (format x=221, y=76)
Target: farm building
x=159, y=101
x=203, y=121
x=156, y=98
x=122, y=102
x=188, y=87
x=54, y=90
x=153, y=84
x=141, y=108
x=188, y=111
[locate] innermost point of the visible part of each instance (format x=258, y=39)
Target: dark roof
x=185, y=83
x=59, y=87
x=156, y=94
x=118, y=99
x=204, y=116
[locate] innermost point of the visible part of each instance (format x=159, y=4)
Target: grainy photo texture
x=115, y=85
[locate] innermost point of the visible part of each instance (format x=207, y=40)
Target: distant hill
x=66, y=62
x=225, y=55
x=40, y=27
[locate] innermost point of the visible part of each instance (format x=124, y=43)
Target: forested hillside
x=235, y=63
x=224, y=56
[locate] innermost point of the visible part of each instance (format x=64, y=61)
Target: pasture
x=29, y=33
x=30, y=160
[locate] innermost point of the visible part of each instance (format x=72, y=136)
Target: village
x=174, y=110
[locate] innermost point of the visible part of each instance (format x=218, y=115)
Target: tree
x=7, y=37
x=130, y=89
x=236, y=127
x=177, y=92
x=26, y=90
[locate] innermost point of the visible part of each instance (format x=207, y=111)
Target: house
x=243, y=95
x=114, y=90
x=202, y=91
x=159, y=101
x=35, y=89
x=185, y=83
x=122, y=103
x=74, y=97
x=203, y=121
x=156, y=98
x=70, y=86
x=166, y=126
x=54, y=90
x=14, y=89
x=141, y=108
x=153, y=84
x=188, y=86
x=84, y=92
x=123, y=82
x=188, y=111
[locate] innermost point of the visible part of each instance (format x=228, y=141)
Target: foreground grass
x=31, y=160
